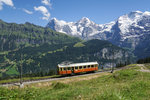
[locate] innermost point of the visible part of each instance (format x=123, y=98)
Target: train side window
x=88, y=66
x=92, y=66
x=69, y=68
x=80, y=67
x=64, y=69
x=60, y=69
x=76, y=67
x=84, y=66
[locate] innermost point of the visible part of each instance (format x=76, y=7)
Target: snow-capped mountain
x=83, y=28
x=130, y=30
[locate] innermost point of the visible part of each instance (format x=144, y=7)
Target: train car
x=77, y=68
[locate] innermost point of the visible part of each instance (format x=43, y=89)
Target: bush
x=59, y=85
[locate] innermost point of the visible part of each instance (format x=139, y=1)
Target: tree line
x=144, y=60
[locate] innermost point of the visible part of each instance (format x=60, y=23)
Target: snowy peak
x=134, y=16
x=54, y=19
x=59, y=22
x=146, y=13
x=137, y=11
x=83, y=28
x=84, y=20
x=131, y=20
x=133, y=24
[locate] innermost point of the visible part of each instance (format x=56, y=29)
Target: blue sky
x=39, y=12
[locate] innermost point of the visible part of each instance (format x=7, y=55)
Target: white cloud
x=47, y=3
x=27, y=11
x=6, y=2
x=44, y=11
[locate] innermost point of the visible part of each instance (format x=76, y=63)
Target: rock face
x=130, y=30
x=119, y=56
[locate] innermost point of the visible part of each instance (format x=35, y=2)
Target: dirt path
x=143, y=68
x=51, y=79
x=57, y=79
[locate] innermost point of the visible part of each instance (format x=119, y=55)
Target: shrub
x=59, y=85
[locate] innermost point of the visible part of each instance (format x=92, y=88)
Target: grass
x=126, y=84
x=6, y=52
x=12, y=71
x=79, y=44
x=147, y=66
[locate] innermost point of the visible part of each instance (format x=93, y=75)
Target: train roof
x=77, y=64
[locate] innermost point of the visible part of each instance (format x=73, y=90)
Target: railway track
x=50, y=79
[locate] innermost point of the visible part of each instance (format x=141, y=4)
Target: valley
x=74, y=50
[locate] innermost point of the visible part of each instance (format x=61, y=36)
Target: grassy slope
x=45, y=58
x=31, y=38
x=127, y=84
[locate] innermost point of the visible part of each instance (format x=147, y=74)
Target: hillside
x=129, y=83
x=42, y=60
x=14, y=36
x=18, y=38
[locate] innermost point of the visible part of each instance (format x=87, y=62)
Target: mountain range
x=131, y=31
x=39, y=50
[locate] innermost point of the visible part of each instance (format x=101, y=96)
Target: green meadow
x=130, y=83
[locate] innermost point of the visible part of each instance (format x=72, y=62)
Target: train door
x=72, y=69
